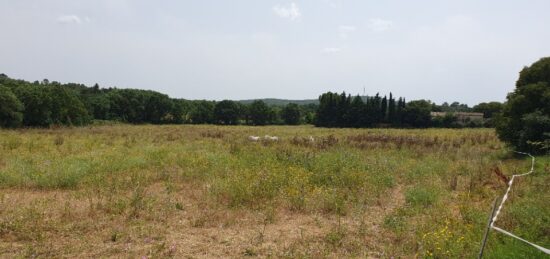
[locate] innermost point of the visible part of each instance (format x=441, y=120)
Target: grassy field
x=207, y=191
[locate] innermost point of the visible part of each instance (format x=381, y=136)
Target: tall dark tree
x=384, y=109
x=371, y=115
x=391, y=109
x=343, y=104
x=327, y=112
x=356, y=112
x=525, y=120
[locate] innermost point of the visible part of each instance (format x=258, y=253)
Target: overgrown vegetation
x=180, y=191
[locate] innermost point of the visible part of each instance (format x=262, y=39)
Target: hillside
x=281, y=102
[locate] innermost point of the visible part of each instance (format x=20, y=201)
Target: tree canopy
x=292, y=114
x=259, y=113
x=227, y=112
x=525, y=120
x=11, y=109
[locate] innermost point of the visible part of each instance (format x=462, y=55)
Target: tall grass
x=426, y=191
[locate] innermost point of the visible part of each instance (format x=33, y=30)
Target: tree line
x=45, y=103
x=343, y=110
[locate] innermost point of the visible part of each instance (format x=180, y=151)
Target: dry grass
x=206, y=191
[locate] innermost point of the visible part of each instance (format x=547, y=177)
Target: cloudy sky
x=468, y=50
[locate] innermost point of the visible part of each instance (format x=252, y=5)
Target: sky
x=469, y=51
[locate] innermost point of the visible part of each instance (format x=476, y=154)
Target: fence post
x=486, y=235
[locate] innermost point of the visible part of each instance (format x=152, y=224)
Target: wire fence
x=504, y=198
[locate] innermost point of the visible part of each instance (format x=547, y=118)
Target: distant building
x=462, y=117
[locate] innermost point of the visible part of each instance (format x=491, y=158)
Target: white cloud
x=291, y=11
x=380, y=25
x=331, y=50
x=70, y=19
x=345, y=30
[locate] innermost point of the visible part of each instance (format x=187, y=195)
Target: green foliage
x=453, y=107
x=489, y=110
x=525, y=120
x=37, y=103
x=417, y=113
x=202, y=112
x=226, y=112
x=259, y=113
x=292, y=114
x=47, y=103
x=66, y=107
x=11, y=109
x=449, y=120
x=340, y=110
x=537, y=72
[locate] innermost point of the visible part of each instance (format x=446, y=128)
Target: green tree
x=488, y=109
x=226, y=112
x=66, y=107
x=37, y=104
x=181, y=111
x=98, y=106
x=259, y=113
x=525, y=120
x=327, y=112
x=343, y=104
x=537, y=72
x=11, y=109
x=356, y=112
x=384, y=109
x=391, y=109
x=417, y=114
x=202, y=112
x=292, y=114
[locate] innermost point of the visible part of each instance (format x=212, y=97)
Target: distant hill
x=281, y=102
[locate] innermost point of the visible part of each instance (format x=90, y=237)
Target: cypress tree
x=383, y=109
x=391, y=109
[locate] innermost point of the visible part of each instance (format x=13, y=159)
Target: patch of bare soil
x=181, y=224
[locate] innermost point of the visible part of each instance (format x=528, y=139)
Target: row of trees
x=41, y=104
x=343, y=110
